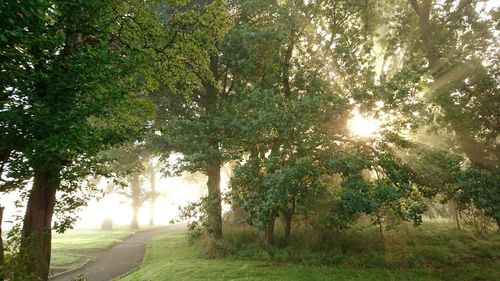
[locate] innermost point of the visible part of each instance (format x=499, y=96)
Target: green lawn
x=68, y=247
x=170, y=257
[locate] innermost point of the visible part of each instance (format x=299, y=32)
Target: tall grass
x=430, y=253
x=432, y=245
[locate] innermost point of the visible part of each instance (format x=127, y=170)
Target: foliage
x=436, y=86
x=75, y=76
x=14, y=267
x=184, y=124
x=58, y=104
x=482, y=188
x=452, y=62
x=195, y=213
x=474, y=190
x=269, y=87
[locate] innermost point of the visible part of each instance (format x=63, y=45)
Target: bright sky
x=175, y=192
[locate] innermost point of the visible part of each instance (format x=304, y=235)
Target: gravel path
x=119, y=259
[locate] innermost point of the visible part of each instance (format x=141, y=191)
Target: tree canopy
x=270, y=87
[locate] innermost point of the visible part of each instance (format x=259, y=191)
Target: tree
x=464, y=88
x=285, y=56
x=454, y=56
x=73, y=79
x=151, y=174
x=191, y=124
x=133, y=165
x=54, y=122
x=292, y=118
x=446, y=75
x=481, y=188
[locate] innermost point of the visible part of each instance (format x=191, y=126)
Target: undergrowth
x=432, y=245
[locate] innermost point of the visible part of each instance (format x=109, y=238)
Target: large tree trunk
x=1, y=243
x=214, y=208
x=210, y=101
x=36, y=232
x=135, y=189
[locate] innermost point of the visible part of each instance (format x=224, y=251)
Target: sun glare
x=364, y=127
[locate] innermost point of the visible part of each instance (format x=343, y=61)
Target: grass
x=68, y=248
x=434, y=252
x=170, y=257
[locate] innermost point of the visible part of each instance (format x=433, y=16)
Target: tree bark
x=269, y=231
x=287, y=62
x=381, y=230
x=36, y=233
x=134, y=224
x=214, y=208
x=288, y=225
x=135, y=188
x=210, y=103
x=475, y=152
x=287, y=216
x=1, y=244
x=457, y=216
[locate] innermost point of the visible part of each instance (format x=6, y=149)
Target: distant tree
x=151, y=170
x=132, y=167
x=137, y=196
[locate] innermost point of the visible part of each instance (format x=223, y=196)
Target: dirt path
x=119, y=259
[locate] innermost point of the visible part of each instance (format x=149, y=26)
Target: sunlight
x=364, y=127
x=175, y=192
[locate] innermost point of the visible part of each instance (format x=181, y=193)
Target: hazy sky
x=175, y=191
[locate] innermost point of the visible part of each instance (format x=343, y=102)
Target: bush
x=107, y=224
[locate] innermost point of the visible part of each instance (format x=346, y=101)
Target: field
x=432, y=252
